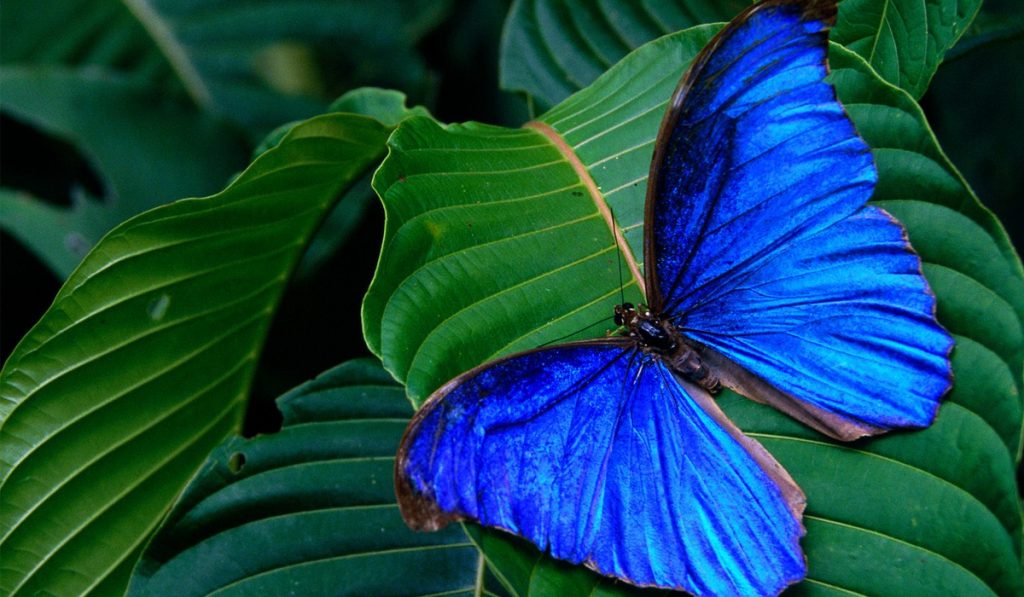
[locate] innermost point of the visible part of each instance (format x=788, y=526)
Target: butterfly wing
x=760, y=247
x=596, y=452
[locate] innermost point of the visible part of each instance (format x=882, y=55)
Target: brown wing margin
x=820, y=10
x=746, y=383
x=420, y=511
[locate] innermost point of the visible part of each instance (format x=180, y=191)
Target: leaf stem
x=172, y=49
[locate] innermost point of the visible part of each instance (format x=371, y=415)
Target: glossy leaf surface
x=310, y=509
x=143, y=362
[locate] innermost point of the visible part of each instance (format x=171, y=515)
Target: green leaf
x=385, y=105
x=144, y=361
x=309, y=510
x=553, y=48
x=493, y=243
x=932, y=512
x=990, y=29
x=904, y=40
x=388, y=107
x=143, y=147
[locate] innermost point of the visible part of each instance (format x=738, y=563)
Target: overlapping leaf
x=552, y=48
x=255, y=64
x=266, y=63
x=91, y=34
x=494, y=244
x=143, y=362
x=904, y=41
x=309, y=510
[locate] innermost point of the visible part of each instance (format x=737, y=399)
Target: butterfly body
x=657, y=335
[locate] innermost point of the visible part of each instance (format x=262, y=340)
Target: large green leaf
x=552, y=48
x=495, y=242
x=143, y=147
x=143, y=362
x=388, y=107
x=309, y=510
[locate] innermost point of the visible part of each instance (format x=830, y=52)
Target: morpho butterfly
x=765, y=273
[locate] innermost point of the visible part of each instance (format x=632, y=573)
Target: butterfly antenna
x=579, y=331
x=622, y=293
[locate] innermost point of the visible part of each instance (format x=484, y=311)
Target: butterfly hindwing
x=844, y=321
x=597, y=453
x=761, y=248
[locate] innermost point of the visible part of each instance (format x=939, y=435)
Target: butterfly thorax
x=658, y=336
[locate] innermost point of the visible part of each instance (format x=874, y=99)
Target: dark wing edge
x=751, y=386
x=820, y=10
x=420, y=511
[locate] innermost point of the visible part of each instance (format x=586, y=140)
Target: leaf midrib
x=569, y=154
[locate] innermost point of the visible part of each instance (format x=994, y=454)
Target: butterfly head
x=624, y=313
x=645, y=327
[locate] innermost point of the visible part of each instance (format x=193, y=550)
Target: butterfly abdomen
x=686, y=361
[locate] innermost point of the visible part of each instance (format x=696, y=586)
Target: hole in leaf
x=44, y=166
x=235, y=462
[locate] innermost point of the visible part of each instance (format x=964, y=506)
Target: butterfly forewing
x=760, y=247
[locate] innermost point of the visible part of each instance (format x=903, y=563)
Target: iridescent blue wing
x=759, y=245
x=596, y=453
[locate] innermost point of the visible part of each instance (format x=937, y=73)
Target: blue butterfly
x=765, y=273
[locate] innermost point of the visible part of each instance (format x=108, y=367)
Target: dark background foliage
x=973, y=104
x=320, y=311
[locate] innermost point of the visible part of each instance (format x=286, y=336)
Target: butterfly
x=765, y=272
